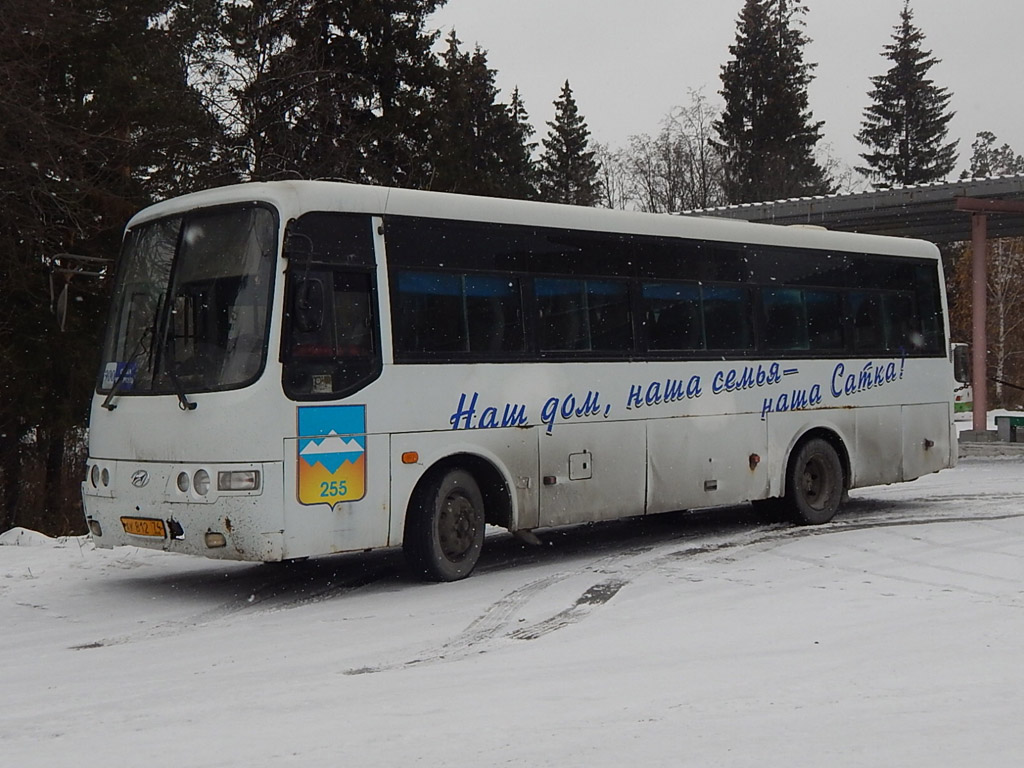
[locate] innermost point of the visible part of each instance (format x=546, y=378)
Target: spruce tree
x=569, y=172
x=766, y=134
x=906, y=126
x=523, y=183
x=334, y=88
x=479, y=145
x=97, y=118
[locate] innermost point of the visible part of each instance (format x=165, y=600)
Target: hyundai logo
x=139, y=478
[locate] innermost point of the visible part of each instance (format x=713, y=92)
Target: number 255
x=333, y=489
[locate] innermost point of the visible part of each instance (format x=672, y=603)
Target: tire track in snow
x=926, y=565
x=275, y=592
x=708, y=541
x=498, y=624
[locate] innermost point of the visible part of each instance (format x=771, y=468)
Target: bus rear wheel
x=444, y=527
x=814, y=486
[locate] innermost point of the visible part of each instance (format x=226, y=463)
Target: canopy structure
x=928, y=211
x=973, y=210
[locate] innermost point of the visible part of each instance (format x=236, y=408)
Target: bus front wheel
x=814, y=487
x=444, y=527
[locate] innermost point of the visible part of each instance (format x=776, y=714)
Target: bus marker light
x=550, y=479
x=754, y=461
x=215, y=540
x=239, y=480
x=410, y=457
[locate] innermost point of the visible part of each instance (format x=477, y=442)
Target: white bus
x=299, y=368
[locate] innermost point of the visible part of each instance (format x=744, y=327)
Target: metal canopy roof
x=927, y=211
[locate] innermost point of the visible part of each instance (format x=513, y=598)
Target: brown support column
x=979, y=316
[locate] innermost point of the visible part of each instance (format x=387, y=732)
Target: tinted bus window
x=727, y=317
x=585, y=315
x=673, y=316
x=440, y=312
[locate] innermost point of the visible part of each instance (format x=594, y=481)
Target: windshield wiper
x=183, y=402
x=139, y=349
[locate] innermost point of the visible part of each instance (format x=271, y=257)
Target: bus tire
x=814, y=484
x=444, y=527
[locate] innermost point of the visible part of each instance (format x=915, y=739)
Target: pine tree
x=906, y=126
x=479, y=145
x=766, y=133
x=568, y=171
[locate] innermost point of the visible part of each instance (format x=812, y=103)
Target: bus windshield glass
x=190, y=309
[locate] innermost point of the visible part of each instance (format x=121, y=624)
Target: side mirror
x=961, y=364
x=308, y=309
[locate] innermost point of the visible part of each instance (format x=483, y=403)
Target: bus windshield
x=190, y=308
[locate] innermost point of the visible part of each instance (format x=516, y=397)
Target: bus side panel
x=512, y=452
x=328, y=517
x=926, y=435
x=878, y=459
x=704, y=461
x=592, y=471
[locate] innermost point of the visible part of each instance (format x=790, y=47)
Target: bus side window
x=561, y=314
x=673, y=316
x=494, y=314
x=903, y=332
x=437, y=314
x=727, y=321
x=610, y=320
x=786, y=319
x=866, y=311
x=824, y=326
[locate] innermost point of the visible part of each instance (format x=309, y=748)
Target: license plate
x=144, y=526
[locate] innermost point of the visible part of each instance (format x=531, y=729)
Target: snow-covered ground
x=893, y=636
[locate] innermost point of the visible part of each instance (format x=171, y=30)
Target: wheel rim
x=456, y=526
x=816, y=483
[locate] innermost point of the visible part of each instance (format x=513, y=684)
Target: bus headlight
x=201, y=482
x=239, y=480
x=94, y=475
x=183, y=482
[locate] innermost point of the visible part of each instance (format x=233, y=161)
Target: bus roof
x=293, y=198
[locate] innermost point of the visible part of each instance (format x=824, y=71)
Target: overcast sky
x=630, y=61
